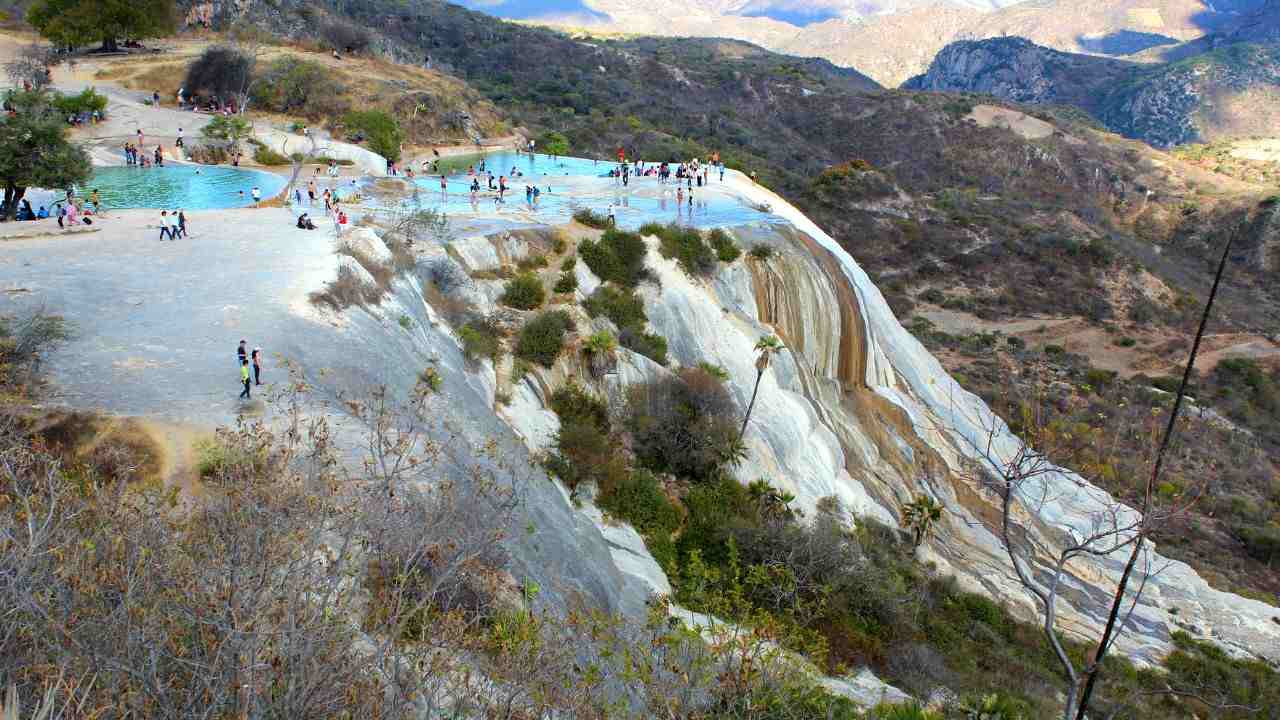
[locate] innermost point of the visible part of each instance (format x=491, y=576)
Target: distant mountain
x=891, y=40
x=1228, y=91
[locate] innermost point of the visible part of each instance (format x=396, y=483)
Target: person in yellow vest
x=244, y=378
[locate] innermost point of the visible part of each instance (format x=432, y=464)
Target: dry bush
x=346, y=290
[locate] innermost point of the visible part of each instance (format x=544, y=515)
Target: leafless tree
x=31, y=67
x=251, y=42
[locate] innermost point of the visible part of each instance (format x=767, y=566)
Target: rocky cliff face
x=1231, y=90
x=856, y=409
x=1018, y=70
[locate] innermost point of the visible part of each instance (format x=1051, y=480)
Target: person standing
x=256, y=358
x=182, y=223
x=178, y=142
x=311, y=192
x=96, y=201
x=165, y=230
x=444, y=187
x=139, y=137
x=242, y=352
x=256, y=194
x=244, y=378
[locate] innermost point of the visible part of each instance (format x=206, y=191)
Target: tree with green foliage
x=554, y=143
x=767, y=347
x=380, y=130
x=77, y=23
x=919, y=516
x=34, y=150
x=229, y=129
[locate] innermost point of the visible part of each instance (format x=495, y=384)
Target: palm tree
x=767, y=346
x=920, y=515
x=772, y=502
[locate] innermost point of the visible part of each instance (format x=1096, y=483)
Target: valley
x=607, y=444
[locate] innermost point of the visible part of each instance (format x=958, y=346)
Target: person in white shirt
x=165, y=230
x=256, y=194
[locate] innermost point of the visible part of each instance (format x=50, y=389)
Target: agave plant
x=993, y=707
x=600, y=349
x=920, y=516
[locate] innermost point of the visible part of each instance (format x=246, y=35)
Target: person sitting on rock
x=304, y=222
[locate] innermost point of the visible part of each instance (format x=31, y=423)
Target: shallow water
x=571, y=183
x=190, y=187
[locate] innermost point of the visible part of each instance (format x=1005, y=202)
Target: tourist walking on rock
x=165, y=230
x=256, y=357
x=182, y=223
x=244, y=378
x=311, y=192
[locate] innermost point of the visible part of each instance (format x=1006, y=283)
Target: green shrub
x=591, y=218
x=650, y=345
x=378, y=129
x=566, y=283
x=1261, y=542
x=554, y=143
x=524, y=292
x=761, y=252
x=684, y=425
x=1167, y=383
x=573, y=404
x=726, y=249
x=716, y=371
x=623, y=307
x=86, y=101
x=230, y=129
x=1125, y=341
x=640, y=501
x=933, y=295
x=480, y=339
x=1055, y=350
x=584, y=450
x=616, y=257
x=264, y=155
x=1098, y=378
x=907, y=711
x=686, y=246
x=296, y=86
x=542, y=338
x=536, y=261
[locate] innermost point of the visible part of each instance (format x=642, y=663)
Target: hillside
x=1233, y=90
x=892, y=41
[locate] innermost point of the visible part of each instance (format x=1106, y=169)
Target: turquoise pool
x=569, y=183
x=192, y=187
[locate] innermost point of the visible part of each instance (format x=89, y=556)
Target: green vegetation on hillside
x=76, y=23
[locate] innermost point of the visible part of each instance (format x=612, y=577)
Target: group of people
x=173, y=225
x=71, y=210
x=133, y=156
x=245, y=357
x=332, y=205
